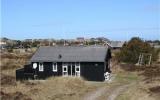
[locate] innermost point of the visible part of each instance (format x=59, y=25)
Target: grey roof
x=118, y=44
x=70, y=54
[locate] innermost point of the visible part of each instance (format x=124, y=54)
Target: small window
x=54, y=67
x=41, y=67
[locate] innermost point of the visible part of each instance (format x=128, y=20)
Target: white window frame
x=64, y=65
x=41, y=67
x=54, y=67
x=78, y=68
x=77, y=65
x=66, y=68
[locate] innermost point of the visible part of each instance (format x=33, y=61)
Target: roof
x=70, y=54
x=116, y=44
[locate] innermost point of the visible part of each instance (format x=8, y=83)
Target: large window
x=41, y=67
x=54, y=65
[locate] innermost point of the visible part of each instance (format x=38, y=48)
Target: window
x=65, y=73
x=65, y=69
x=54, y=65
x=34, y=65
x=77, y=69
x=41, y=67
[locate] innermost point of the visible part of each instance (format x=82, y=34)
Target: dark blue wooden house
x=89, y=62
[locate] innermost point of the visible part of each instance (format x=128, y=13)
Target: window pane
x=54, y=66
x=65, y=69
x=40, y=66
x=77, y=69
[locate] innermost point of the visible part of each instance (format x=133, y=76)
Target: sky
x=113, y=19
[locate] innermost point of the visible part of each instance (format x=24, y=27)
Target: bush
x=130, y=51
x=10, y=50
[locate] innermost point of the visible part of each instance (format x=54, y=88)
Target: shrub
x=130, y=51
x=10, y=50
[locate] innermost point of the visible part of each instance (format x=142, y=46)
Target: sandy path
x=117, y=91
x=95, y=94
x=113, y=93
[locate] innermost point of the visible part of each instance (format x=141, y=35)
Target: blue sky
x=113, y=19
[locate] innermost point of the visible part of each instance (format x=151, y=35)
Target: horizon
x=78, y=37
x=115, y=20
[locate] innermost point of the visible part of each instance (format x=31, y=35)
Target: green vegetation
x=126, y=78
x=130, y=51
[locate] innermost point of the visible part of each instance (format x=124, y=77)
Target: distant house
x=90, y=62
x=28, y=40
x=3, y=45
x=116, y=44
x=80, y=39
x=155, y=45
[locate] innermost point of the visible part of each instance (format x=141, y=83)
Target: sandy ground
x=112, y=93
x=115, y=93
x=95, y=94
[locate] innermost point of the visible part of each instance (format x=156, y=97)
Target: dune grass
x=54, y=88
